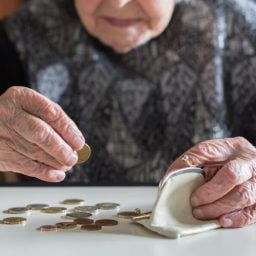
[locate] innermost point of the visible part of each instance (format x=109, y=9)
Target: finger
x=36, y=131
x=240, y=197
x=209, y=172
x=33, y=152
x=38, y=105
x=230, y=175
x=239, y=218
x=211, y=153
x=29, y=167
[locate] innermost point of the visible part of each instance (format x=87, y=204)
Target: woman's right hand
x=37, y=138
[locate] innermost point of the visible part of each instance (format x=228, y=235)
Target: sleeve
x=11, y=70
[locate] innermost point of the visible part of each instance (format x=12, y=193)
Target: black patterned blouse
x=141, y=110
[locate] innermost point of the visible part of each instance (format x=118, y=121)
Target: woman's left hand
x=229, y=193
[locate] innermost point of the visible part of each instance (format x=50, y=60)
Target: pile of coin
x=80, y=217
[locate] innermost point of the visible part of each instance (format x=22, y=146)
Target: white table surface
x=124, y=239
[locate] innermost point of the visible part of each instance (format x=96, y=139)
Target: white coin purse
x=172, y=213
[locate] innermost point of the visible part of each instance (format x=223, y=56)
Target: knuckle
x=210, y=148
x=231, y=172
x=244, y=196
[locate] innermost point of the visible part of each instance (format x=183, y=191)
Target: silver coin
x=108, y=206
x=78, y=215
x=88, y=208
x=37, y=207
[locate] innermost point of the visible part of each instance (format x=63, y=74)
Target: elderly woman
x=144, y=81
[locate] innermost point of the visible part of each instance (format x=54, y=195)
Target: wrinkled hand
x=229, y=193
x=36, y=137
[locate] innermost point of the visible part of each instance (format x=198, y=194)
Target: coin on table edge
x=86, y=208
x=37, y=207
x=106, y=222
x=91, y=227
x=78, y=215
x=18, y=210
x=54, y=210
x=66, y=225
x=48, y=228
x=14, y=220
x=83, y=154
x=83, y=221
x=127, y=214
x=108, y=206
x=73, y=201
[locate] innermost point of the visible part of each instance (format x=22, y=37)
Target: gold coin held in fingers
x=106, y=222
x=73, y=201
x=14, y=220
x=83, y=154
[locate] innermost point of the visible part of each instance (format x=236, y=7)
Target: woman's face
x=125, y=24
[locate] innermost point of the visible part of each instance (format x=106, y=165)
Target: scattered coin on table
x=17, y=210
x=78, y=215
x=83, y=154
x=73, y=201
x=37, y=207
x=54, y=210
x=91, y=227
x=87, y=208
x=48, y=228
x=84, y=221
x=66, y=225
x=108, y=206
x=14, y=221
x=106, y=222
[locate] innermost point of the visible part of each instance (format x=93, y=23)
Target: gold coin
x=18, y=210
x=91, y=227
x=83, y=154
x=127, y=214
x=83, y=221
x=66, y=225
x=106, y=222
x=14, y=220
x=108, y=206
x=54, y=210
x=48, y=228
x=78, y=215
x=37, y=207
x=73, y=201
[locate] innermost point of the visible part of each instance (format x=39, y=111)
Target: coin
x=127, y=214
x=78, y=215
x=37, y=207
x=108, y=206
x=66, y=225
x=83, y=154
x=48, y=228
x=86, y=208
x=73, y=201
x=91, y=227
x=54, y=210
x=106, y=222
x=83, y=221
x=18, y=210
x=14, y=220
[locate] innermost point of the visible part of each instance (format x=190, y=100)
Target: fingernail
x=198, y=213
x=79, y=142
x=227, y=222
x=57, y=176
x=194, y=201
x=72, y=159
